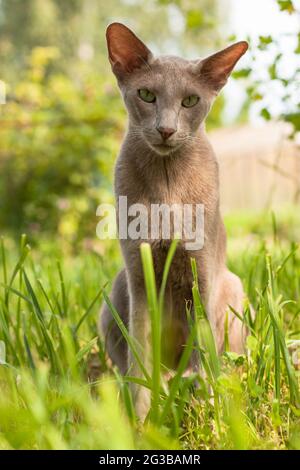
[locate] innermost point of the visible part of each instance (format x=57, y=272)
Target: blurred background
x=61, y=126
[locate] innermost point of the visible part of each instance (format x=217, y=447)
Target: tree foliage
x=58, y=142
x=277, y=83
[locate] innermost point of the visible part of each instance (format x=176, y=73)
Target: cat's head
x=167, y=97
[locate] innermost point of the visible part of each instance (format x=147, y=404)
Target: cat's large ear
x=215, y=69
x=126, y=51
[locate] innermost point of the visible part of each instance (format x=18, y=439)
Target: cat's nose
x=165, y=132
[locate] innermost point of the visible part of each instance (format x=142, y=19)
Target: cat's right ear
x=126, y=51
x=215, y=69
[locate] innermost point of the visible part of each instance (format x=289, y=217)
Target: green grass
x=59, y=391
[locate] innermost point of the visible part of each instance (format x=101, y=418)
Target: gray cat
x=166, y=158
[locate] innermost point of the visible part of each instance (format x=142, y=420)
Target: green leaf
x=286, y=5
x=256, y=96
x=235, y=358
x=194, y=19
x=297, y=50
x=264, y=41
x=265, y=114
x=242, y=73
x=273, y=71
x=293, y=118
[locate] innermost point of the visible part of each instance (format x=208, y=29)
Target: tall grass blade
x=205, y=335
x=126, y=335
x=155, y=315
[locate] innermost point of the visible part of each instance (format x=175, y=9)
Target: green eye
x=146, y=95
x=190, y=101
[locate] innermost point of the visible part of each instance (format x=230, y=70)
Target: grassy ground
x=50, y=354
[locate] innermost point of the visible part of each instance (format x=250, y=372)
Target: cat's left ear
x=125, y=50
x=215, y=69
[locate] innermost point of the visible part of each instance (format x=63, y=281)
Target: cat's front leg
x=140, y=331
x=228, y=293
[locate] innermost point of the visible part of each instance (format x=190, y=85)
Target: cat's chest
x=168, y=199
x=182, y=187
